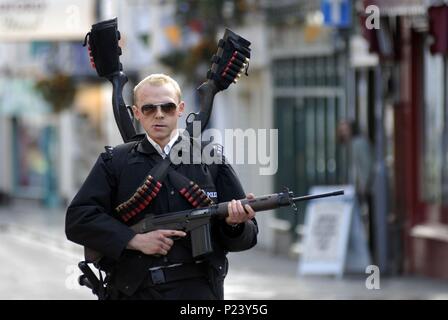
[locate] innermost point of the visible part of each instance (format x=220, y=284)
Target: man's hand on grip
x=156, y=242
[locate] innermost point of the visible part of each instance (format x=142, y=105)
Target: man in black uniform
x=157, y=264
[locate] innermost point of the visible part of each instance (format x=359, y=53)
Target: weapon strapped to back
x=231, y=59
x=228, y=64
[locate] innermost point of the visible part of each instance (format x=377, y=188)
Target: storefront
x=420, y=131
x=30, y=156
x=309, y=73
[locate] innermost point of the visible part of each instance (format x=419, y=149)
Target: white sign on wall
x=24, y=20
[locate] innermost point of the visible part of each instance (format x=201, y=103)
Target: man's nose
x=159, y=113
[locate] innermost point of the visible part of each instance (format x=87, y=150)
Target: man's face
x=158, y=121
x=344, y=132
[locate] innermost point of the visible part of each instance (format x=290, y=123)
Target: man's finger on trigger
x=173, y=233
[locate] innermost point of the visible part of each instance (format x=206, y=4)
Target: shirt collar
x=166, y=150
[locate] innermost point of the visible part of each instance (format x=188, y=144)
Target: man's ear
x=181, y=108
x=136, y=112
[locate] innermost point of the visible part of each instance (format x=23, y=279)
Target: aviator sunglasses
x=150, y=109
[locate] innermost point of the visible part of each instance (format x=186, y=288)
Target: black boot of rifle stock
x=230, y=61
x=103, y=48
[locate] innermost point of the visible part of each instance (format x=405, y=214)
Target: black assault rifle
x=197, y=221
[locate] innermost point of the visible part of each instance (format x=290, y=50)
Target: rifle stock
x=121, y=113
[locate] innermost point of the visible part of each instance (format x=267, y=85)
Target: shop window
x=306, y=118
x=433, y=128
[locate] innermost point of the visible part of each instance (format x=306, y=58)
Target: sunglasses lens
x=168, y=107
x=149, y=109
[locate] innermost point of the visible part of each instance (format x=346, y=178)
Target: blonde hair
x=157, y=79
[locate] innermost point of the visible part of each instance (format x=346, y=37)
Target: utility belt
x=175, y=272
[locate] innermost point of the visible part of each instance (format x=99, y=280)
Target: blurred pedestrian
x=360, y=170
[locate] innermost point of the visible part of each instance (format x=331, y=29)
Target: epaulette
x=108, y=154
x=218, y=152
x=219, y=149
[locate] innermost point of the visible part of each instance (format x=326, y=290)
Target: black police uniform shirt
x=92, y=222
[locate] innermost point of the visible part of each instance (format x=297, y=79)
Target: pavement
x=253, y=274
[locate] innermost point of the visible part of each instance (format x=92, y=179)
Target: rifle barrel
x=322, y=195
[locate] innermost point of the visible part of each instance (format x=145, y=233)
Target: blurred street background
x=357, y=89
